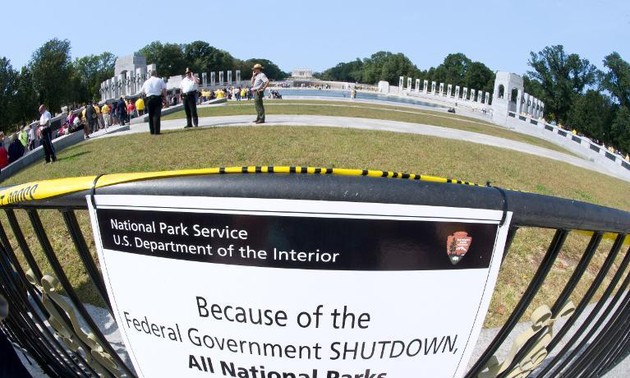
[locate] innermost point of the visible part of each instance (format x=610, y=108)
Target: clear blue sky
x=320, y=34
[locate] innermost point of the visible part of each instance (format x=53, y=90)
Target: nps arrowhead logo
x=457, y=246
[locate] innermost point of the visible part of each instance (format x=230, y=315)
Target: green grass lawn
x=349, y=148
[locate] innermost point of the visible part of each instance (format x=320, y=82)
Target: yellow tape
x=607, y=236
x=40, y=190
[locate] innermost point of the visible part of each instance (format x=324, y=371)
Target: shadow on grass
x=75, y=155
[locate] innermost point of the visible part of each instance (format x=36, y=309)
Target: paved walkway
x=393, y=126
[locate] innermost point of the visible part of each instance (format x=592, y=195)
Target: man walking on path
x=259, y=83
x=189, y=97
x=46, y=132
x=155, y=90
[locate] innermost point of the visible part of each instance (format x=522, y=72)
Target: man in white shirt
x=46, y=132
x=154, y=89
x=259, y=83
x=189, y=98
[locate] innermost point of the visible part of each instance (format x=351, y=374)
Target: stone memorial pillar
x=140, y=78
x=204, y=79
x=127, y=84
x=105, y=86
x=150, y=68
x=433, y=87
x=383, y=86
x=457, y=92
x=473, y=95
x=525, y=107
x=401, y=83
x=487, y=98
x=465, y=94
x=131, y=79
x=449, y=90
x=409, y=84
x=221, y=78
x=112, y=88
x=121, y=85
x=519, y=101
x=116, y=87
x=213, y=79
x=417, y=85
x=425, y=86
x=532, y=106
x=229, y=77
x=238, y=77
x=441, y=89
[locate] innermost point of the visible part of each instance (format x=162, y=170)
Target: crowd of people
x=230, y=93
x=88, y=118
x=93, y=116
x=13, y=147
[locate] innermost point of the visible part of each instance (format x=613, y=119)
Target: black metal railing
x=593, y=339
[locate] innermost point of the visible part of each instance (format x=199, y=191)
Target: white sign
x=270, y=288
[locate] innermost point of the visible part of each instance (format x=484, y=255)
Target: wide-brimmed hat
x=258, y=66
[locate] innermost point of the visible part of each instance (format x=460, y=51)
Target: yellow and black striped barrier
x=45, y=189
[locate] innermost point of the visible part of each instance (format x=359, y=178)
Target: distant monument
x=302, y=73
x=130, y=72
x=509, y=96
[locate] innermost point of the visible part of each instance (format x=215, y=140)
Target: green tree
x=620, y=130
x=617, y=79
x=25, y=98
x=398, y=65
x=201, y=57
x=479, y=76
x=532, y=87
x=452, y=70
x=458, y=69
x=8, y=79
x=51, y=67
x=270, y=69
x=561, y=76
x=349, y=72
x=592, y=115
x=384, y=65
x=91, y=71
x=169, y=58
x=373, y=65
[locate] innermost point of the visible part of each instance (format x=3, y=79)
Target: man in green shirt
x=259, y=83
